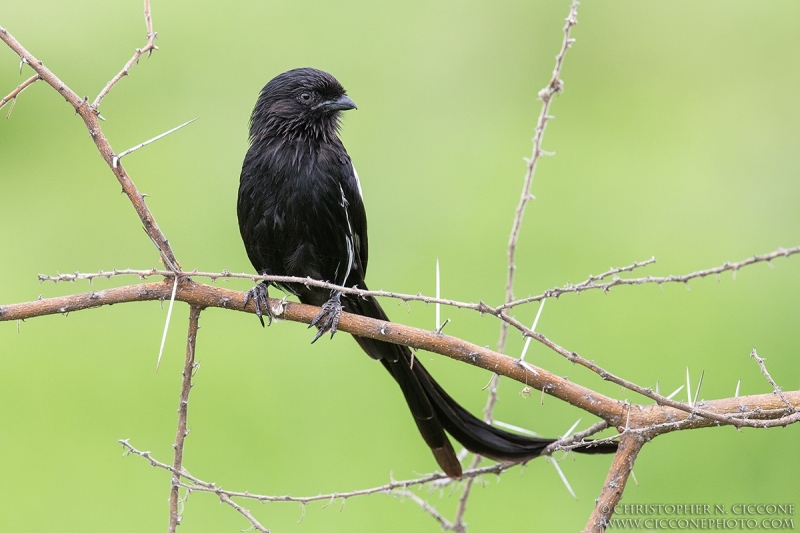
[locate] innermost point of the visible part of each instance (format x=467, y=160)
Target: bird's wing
x=353, y=204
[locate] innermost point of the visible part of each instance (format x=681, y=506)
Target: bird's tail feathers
x=435, y=411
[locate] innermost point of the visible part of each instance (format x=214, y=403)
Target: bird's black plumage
x=301, y=213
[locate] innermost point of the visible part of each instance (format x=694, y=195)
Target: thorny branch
x=629, y=447
x=636, y=423
x=396, y=488
x=778, y=390
x=481, y=307
x=613, y=411
x=428, y=508
x=458, y=524
x=226, y=499
x=90, y=118
x=653, y=421
x=146, y=49
x=554, y=86
x=685, y=278
x=437, y=478
x=644, y=391
x=183, y=412
x=637, y=420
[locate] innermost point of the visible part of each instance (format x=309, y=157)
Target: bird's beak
x=343, y=103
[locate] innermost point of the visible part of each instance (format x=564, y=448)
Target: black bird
x=301, y=213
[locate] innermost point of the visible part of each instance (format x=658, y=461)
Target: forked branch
x=90, y=118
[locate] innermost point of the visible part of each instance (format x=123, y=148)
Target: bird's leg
x=328, y=318
x=260, y=296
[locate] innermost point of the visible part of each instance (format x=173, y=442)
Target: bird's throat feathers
x=274, y=124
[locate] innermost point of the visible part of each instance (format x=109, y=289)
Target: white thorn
x=154, y=139
x=533, y=328
x=514, y=428
x=562, y=476
x=166, y=326
x=438, y=293
x=699, y=384
x=530, y=367
x=570, y=430
x=674, y=393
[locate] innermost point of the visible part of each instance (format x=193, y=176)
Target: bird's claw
x=260, y=296
x=328, y=318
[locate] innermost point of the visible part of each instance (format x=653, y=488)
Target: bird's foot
x=260, y=296
x=328, y=318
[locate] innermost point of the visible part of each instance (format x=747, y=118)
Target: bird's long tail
x=435, y=411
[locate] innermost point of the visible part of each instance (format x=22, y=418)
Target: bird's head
x=303, y=103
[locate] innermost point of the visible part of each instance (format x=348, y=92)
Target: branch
x=458, y=524
x=209, y=296
x=752, y=411
x=555, y=85
x=437, y=478
x=21, y=87
x=480, y=307
x=89, y=116
x=147, y=49
x=183, y=412
x=576, y=440
x=428, y=508
x=685, y=278
x=546, y=95
x=637, y=423
x=775, y=386
x=629, y=446
x=226, y=499
x=647, y=392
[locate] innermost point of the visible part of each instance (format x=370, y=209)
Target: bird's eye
x=306, y=97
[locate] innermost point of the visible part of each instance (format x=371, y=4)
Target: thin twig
x=555, y=85
x=89, y=116
x=428, y=508
x=481, y=307
x=488, y=411
x=183, y=412
x=757, y=406
x=685, y=278
x=21, y=87
x=576, y=440
x=458, y=522
x=147, y=49
x=438, y=479
x=775, y=386
x=439, y=324
x=546, y=95
x=226, y=499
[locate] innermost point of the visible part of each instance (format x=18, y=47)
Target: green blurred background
x=677, y=136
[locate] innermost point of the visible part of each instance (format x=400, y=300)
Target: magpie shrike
x=301, y=213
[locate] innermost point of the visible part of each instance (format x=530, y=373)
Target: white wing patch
x=358, y=181
x=349, y=236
